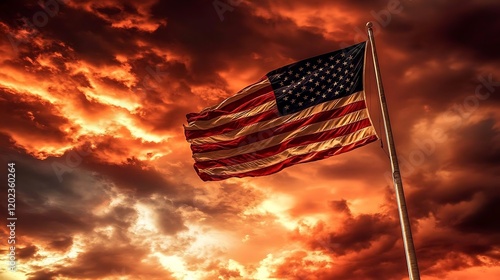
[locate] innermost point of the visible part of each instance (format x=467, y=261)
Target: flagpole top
x=369, y=25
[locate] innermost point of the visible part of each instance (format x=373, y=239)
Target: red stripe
x=266, y=133
x=256, y=98
x=239, y=123
x=294, y=142
x=314, y=156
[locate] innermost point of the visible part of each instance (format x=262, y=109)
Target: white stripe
x=249, y=129
x=283, y=137
x=203, y=125
x=291, y=152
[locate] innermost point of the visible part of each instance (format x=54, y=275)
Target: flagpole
x=411, y=257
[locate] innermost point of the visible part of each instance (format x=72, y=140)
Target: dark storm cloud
x=31, y=117
x=61, y=244
x=474, y=167
x=41, y=275
x=164, y=89
x=371, y=242
x=191, y=24
x=434, y=46
x=81, y=80
x=44, y=203
x=54, y=211
x=484, y=157
x=133, y=175
x=169, y=222
x=27, y=252
x=89, y=35
x=356, y=233
x=166, y=117
x=481, y=218
x=115, y=261
x=471, y=28
x=463, y=204
x=340, y=206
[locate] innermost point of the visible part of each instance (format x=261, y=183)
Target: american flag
x=306, y=111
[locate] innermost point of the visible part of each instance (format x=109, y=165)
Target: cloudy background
x=93, y=95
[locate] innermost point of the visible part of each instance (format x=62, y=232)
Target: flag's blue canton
x=319, y=79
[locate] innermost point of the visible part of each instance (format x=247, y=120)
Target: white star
x=315, y=74
x=315, y=66
x=343, y=54
x=301, y=68
x=335, y=83
x=316, y=83
x=329, y=90
x=352, y=65
x=297, y=94
x=324, y=95
x=347, y=89
x=293, y=101
x=286, y=107
x=350, y=57
x=307, y=64
x=311, y=89
x=319, y=60
x=337, y=92
x=341, y=86
x=290, y=72
x=329, y=80
x=312, y=99
x=337, y=61
x=327, y=72
x=303, y=87
x=300, y=103
x=285, y=98
x=331, y=58
x=345, y=63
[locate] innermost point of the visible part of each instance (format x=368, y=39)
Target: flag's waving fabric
x=305, y=111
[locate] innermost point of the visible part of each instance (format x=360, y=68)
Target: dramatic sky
x=93, y=96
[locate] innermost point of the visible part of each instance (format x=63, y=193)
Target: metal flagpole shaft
x=411, y=257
